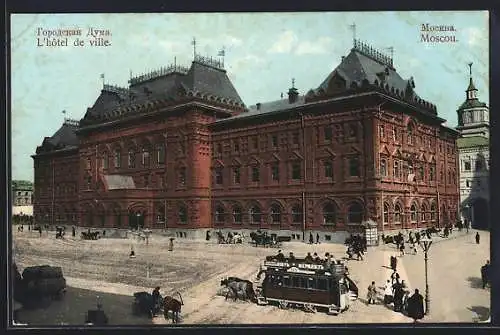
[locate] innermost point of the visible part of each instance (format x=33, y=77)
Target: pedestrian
x=388, y=293
x=414, y=247
x=207, y=235
x=467, y=226
x=316, y=258
x=402, y=249
x=416, y=306
x=156, y=300
x=485, y=274
x=73, y=231
x=311, y=238
x=317, y=238
x=132, y=252
x=394, y=263
x=40, y=230
x=372, y=293
x=308, y=258
x=398, y=296
x=477, y=238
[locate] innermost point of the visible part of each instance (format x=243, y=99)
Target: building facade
x=22, y=193
x=178, y=149
x=474, y=156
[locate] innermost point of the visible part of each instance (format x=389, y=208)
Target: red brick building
x=178, y=149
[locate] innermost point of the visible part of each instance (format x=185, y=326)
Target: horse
x=174, y=305
x=237, y=285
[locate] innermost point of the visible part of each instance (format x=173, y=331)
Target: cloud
x=320, y=46
x=476, y=36
x=242, y=63
x=285, y=43
x=230, y=40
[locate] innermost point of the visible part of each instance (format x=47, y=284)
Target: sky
x=264, y=51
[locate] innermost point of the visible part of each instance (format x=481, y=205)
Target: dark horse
x=261, y=239
x=174, y=305
x=237, y=285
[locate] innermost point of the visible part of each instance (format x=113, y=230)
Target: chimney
x=258, y=106
x=343, y=57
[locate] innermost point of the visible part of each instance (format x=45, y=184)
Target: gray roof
x=201, y=78
x=64, y=138
x=119, y=182
x=357, y=67
x=267, y=107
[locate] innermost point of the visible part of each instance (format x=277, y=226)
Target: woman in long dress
x=388, y=293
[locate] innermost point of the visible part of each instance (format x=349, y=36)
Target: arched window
x=386, y=213
x=297, y=214
x=255, y=215
x=433, y=212
x=237, y=217
x=413, y=213
x=355, y=213
x=105, y=160
x=275, y=214
x=183, y=215
x=397, y=214
x=423, y=213
x=160, y=153
x=219, y=214
x=329, y=214
x=131, y=158
x=396, y=169
x=145, y=156
x=117, y=158
x=383, y=167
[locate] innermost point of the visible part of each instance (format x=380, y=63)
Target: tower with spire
x=474, y=154
x=473, y=115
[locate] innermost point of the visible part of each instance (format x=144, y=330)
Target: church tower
x=473, y=115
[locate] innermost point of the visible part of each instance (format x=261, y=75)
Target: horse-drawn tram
x=298, y=283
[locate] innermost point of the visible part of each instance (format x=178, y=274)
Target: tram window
x=295, y=282
x=286, y=281
x=311, y=283
x=303, y=282
x=322, y=284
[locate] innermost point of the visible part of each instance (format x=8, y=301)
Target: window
x=255, y=174
x=145, y=157
x=410, y=168
x=397, y=214
x=354, y=167
x=236, y=174
x=182, y=215
x=297, y=214
x=131, y=158
x=236, y=146
x=275, y=214
x=433, y=212
x=219, y=214
x=328, y=167
x=182, y=176
x=381, y=132
x=353, y=130
x=421, y=173
x=467, y=166
x=395, y=134
x=105, y=160
x=275, y=172
x=423, y=211
x=219, y=148
x=383, y=167
x=355, y=213
x=255, y=215
x=431, y=173
x=237, y=216
x=117, y=158
x=329, y=214
x=410, y=134
x=88, y=163
x=479, y=165
x=386, y=213
x=255, y=143
x=89, y=181
x=328, y=133
x=413, y=213
x=218, y=176
x=396, y=170
x=274, y=141
x=295, y=138
x=467, y=183
x=160, y=154
x=296, y=171
x=146, y=181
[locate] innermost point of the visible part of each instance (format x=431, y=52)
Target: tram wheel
x=283, y=304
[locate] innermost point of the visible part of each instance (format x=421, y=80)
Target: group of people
x=356, y=245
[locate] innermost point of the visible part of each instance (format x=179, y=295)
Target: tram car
x=302, y=284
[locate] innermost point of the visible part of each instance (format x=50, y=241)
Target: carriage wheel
x=310, y=308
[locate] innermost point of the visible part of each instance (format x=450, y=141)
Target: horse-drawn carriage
x=90, y=235
x=230, y=239
x=144, y=303
x=260, y=238
x=299, y=283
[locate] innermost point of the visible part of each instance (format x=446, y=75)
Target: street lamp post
x=426, y=244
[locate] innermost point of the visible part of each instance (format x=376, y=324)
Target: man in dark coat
x=311, y=238
x=416, y=306
x=398, y=296
x=394, y=263
x=485, y=273
x=156, y=300
x=317, y=238
x=477, y=238
x=73, y=231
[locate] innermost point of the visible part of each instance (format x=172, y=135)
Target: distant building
x=474, y=156
x=178, y=149
x=22, y=193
